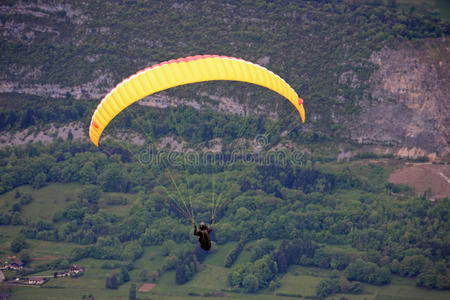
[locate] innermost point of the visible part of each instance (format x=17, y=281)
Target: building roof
x=17, y=262
x=34, y=278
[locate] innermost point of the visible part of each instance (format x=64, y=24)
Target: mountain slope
x=350, y=61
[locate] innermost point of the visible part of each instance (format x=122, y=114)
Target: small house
x=35, y=280
x=75, y=269
x=16, y=264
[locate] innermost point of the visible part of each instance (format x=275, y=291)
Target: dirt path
x=422, y=176
x=45, y=258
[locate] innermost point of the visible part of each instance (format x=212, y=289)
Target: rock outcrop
x=409, y=106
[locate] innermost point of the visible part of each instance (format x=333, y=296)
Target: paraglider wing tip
x=93, y=125
x=301, y=109
x=94, y=142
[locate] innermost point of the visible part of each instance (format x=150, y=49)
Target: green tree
x=5, y=218
x=16, y=207
x=395, y=266
x=169, y=263
x=89, y=196
x=124, y=275
x=261, y=248
x=144, y=276
x=26, y=199
x=327, y=287
x=16, y=219
x=112, y=281
x=237, y=274
x=381, y=276
x=25, y=257
x=154, y=276
x=367, y=272
x=167, y=247
x=39, y=180
x=180, y=274
x=443, y=282
x=88, y=175
x=90, y=193
x=132, y=251
x=234, y=254
x=265, y=270
x=132, y=292
x=250, y=283
x=414, y=264
x=18, y=244
x=114, y=179
x=152, y=236
x=427, y=278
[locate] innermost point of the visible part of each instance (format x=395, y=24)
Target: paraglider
x=203, y=234
x=178, y=72
x=184, y=71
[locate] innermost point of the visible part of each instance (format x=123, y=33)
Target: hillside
x=352, y=63
x=352, y=204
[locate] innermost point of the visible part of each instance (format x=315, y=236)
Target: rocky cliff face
x=407, y=112
x=406, y=109
x=409, y=106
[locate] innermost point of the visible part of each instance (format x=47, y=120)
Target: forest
x=297, y=214
x=282, y=214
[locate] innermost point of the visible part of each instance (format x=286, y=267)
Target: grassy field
x=42, y=251
x=210, y=281
x=299, y=284
x=7, y=234
x=151, y=259
x=245, y=254
x=118, y=210
x=303, y=281
x=55, y=197
x=46, y=201
x=218, y=257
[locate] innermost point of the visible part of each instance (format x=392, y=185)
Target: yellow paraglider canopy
x=184, y=71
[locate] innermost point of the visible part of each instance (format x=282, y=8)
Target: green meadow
x=210, y=282
x=49, y=200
